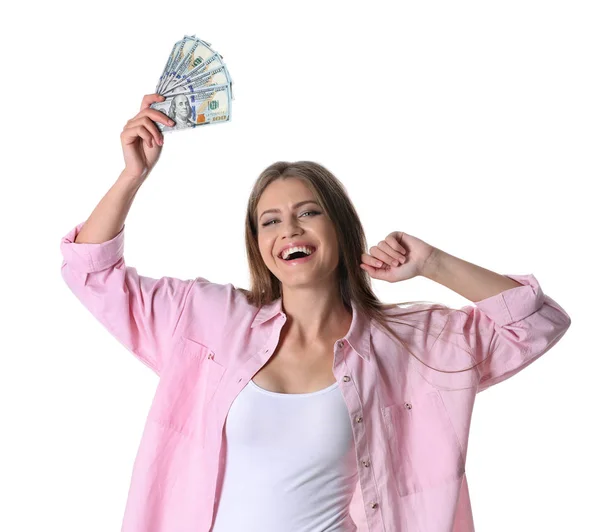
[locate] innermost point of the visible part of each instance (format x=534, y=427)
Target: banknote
x=183, y=46
x=207, y=105
x=188, y=55
x=177, y=47
x=215, y=76
x=188, y=77
x=196, y=85
x=168, y=63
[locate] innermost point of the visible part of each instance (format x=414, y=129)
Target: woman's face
x=306, y=223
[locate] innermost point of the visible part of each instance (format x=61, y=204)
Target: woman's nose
x=291, y=227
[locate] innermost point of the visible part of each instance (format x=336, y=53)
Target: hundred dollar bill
x=188, y=77
x=192, y=53
x=191, y=109
x=175, y=58
x=172, y=57
x=215, y=76
x=168, y=63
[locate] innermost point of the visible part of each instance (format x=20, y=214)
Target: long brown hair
x=354, y=282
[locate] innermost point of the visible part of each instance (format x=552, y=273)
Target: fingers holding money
x=156, y=116
x=131, y=133
x=149, y=99
x=146, y=129
x=142, y=138
x=147, y=118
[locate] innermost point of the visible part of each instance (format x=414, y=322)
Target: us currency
x=188, y=42
x=177, y=47
x=189, y=55
x=168, y=63
x=216, y=76
x=213, y=61
x=192, y=109
x=195, y=54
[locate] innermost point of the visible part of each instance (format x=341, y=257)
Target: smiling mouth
x=297, y=257
x=297, y=254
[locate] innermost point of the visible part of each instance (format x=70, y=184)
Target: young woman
x=303, y=404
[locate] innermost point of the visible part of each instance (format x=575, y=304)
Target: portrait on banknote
x=180, y=111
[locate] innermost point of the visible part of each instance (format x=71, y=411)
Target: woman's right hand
x=141, y=140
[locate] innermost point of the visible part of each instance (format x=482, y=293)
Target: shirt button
x=366, y=463
x=340, y=344
x=374, y=505
x=211, y=355
x=346, y=378
x=358, y=419
x=407, y=406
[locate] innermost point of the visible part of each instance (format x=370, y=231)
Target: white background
x=472, y=125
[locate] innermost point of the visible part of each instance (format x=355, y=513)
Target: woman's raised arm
x=141, y=312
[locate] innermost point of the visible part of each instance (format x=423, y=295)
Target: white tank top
x=290, y=463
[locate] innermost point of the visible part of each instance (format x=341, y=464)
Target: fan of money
x=196, y=86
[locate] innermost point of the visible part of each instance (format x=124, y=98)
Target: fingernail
x=395, y=263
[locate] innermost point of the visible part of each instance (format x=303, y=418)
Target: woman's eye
x=275, y=219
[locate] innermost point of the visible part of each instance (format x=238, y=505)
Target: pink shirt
x=410, y=423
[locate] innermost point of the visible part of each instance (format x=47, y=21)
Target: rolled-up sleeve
x=140, y=312
x=510, y=330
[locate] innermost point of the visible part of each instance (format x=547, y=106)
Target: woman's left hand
x=412, y=253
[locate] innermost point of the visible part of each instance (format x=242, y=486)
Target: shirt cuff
x=515, y=303
x=88, y=258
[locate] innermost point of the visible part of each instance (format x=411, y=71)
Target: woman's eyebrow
x=300, y=203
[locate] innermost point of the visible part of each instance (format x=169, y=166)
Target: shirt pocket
x=186, y=387
x=424, y=447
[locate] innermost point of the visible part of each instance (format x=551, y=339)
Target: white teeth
x=286, y=253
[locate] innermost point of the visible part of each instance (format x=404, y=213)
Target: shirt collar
x=358, y=336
